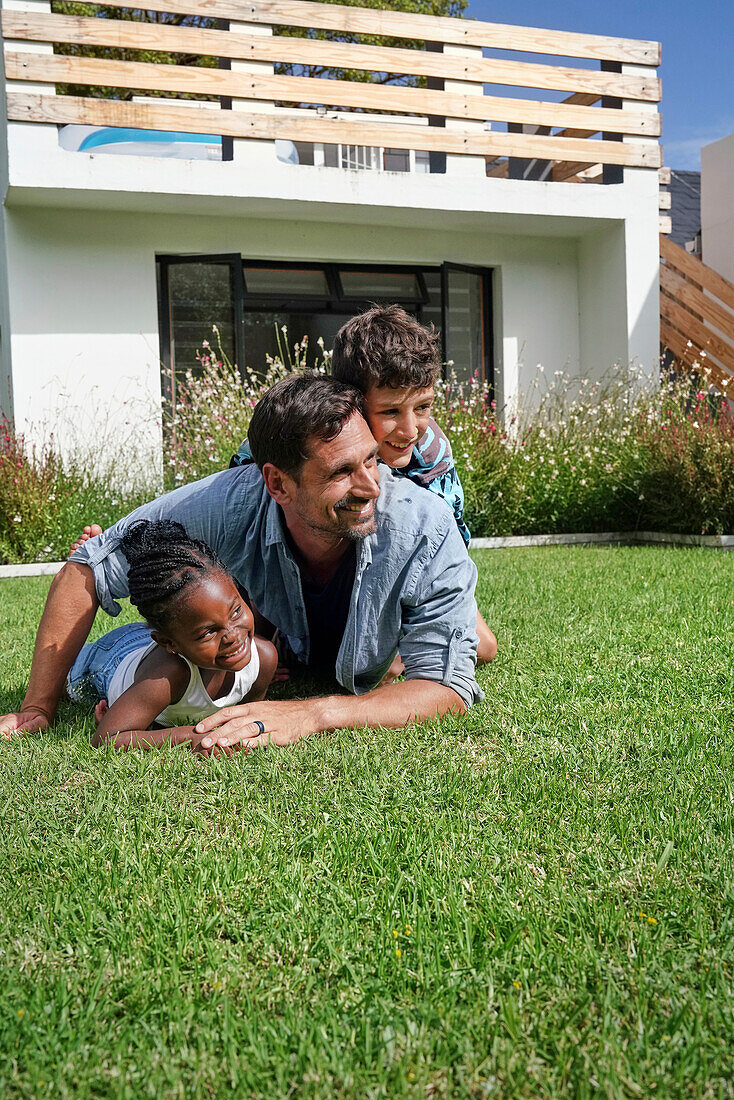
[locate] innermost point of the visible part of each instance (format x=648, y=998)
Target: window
x=467, y=340
x=196, y=293
x=258, y=304
x=375, y=284
x=288, y=281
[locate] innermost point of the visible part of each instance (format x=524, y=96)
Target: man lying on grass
x=344, y=559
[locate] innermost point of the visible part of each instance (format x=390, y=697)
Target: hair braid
x=164, y=561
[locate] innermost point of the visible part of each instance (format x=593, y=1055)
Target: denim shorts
x=92, y=671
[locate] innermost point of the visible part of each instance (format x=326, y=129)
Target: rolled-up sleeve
x=109, y=565
x=205, y=510
x=439, y=631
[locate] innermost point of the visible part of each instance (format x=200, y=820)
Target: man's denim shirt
x=413, y=586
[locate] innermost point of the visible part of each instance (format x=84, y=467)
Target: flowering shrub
x=610, y=455
x=213, y=406
x=45, y=501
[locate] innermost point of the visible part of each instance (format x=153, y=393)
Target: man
x=345, y=560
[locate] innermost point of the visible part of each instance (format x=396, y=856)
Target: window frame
x=487, y=275
x=233, y=260
x=336, y=302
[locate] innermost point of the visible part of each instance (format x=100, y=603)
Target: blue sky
x=698, y=56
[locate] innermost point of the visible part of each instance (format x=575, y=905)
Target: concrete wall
x=83, y=305
x=717, y=206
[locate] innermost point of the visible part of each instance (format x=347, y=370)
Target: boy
x=395, y=361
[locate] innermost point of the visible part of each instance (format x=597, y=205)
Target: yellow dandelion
x=21, y=1012
x=651, y=920
x=516, y=985
x=642, y=915
x=408, y=930
x=394, y=931
x=398, y=952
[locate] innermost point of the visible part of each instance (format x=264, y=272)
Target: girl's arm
x=161, y=680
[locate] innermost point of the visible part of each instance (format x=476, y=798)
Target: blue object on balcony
x=114, y=135
x=128, y=141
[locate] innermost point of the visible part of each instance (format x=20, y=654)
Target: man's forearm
x=65, y=624
x=392, y=706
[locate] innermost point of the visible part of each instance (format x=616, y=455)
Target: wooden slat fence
x=697, y=315
x=572, y=133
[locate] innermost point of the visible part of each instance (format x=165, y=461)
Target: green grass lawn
x=532, y=900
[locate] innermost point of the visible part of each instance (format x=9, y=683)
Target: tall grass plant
x=615, y=454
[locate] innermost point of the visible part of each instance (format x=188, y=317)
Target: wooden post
x=457, y=165
x=253, y=151
x=32, y=138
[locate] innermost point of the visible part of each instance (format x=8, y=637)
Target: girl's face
x=212, y=626
x=397, y=419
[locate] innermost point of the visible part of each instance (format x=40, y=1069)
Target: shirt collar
x=274, y=524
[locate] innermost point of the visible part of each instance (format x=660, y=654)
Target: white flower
x=16, y=519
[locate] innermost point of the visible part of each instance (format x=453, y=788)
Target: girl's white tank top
x=195, y=703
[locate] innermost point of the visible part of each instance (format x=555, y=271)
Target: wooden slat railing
x=696, y=315
x=576, y=121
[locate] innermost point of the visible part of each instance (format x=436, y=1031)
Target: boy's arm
x=160, y=681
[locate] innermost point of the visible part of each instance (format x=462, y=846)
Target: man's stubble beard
x=344, y=530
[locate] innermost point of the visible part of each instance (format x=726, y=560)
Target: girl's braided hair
x=164, y=561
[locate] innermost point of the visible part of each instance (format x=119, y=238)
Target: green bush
x=615, y=456
x=45, y=500
x=612, y=455
x=214, y=404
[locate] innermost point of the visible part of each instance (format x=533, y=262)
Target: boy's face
x=397, y=419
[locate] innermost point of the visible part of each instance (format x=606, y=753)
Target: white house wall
x=717, y=206
x=84, y=332
x=83, y=303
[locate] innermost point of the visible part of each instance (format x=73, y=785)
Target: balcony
x=580, y=109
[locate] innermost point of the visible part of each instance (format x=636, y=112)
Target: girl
x=195, y=654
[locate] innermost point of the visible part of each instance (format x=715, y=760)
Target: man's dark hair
x=164, y=561
x=294, y=411
x=385, y=346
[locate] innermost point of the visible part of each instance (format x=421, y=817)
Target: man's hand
x=236, y=727
x=391, y=706
x=28, y=720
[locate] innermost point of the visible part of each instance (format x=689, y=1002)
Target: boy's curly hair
x=385, y=346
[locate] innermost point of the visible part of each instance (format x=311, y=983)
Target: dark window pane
x=465, y=338
x=264, y=334
x=291, y=281
x=381, y=285
x=431, y=312
x=200, y=295
x=396, y=160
